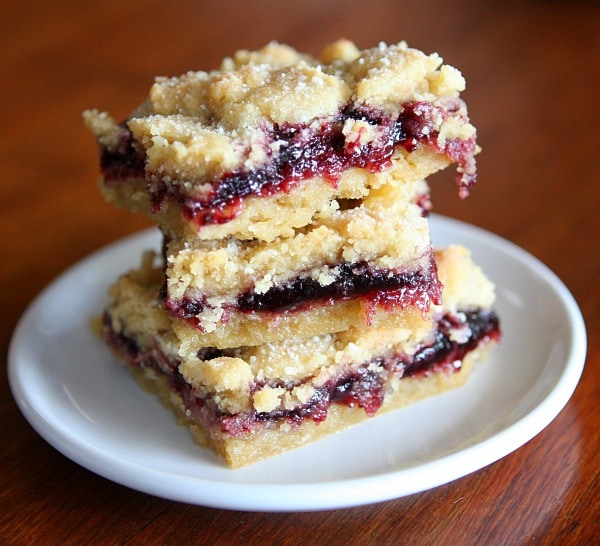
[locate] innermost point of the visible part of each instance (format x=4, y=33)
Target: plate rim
x=347, y=492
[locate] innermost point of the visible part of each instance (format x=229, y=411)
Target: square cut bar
x=354, y=263
x=254, y=149
x=250, y=403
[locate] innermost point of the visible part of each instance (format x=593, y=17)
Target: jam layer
x=379, y=287
x=303, y=152
x=363, y=387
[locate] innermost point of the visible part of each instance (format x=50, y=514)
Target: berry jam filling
x=303, y=153
x=127, y=161
x=127, y=347
x=352, y=280
x=379, y=287
x=444, y=352
x=363, y=387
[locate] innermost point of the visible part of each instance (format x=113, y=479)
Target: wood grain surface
x=533, y=73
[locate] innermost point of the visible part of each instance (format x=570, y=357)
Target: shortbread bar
x=351, y=264
x=249, y=403
x=254, y=149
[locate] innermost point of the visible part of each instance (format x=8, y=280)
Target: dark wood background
x=533, y=72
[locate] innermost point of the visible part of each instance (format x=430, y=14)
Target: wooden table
x=533, y=71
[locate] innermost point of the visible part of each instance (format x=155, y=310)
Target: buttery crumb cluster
x=297, y=291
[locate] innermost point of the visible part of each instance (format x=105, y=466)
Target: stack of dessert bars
x=297, y=291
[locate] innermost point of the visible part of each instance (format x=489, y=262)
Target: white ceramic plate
x=84, y=404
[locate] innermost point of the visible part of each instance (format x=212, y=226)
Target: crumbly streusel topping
x=196, y=127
